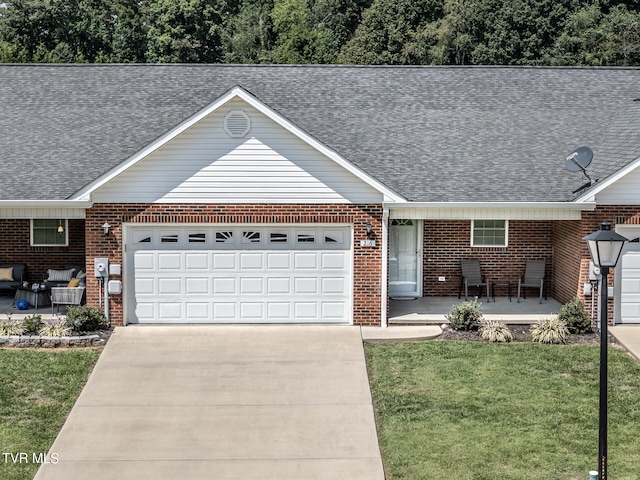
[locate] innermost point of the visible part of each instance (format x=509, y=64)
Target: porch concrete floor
x=419, y=311
x=426, y=310
x=6, y=306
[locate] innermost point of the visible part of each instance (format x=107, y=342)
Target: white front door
x=239, y=274
x=404, y=257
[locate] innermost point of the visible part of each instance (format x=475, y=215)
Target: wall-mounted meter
x=101, y=267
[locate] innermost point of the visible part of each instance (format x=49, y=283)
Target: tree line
x=400, y=32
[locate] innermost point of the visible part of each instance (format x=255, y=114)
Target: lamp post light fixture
x=605, y=247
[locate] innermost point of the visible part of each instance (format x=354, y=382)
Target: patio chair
x=533, y=278
x=66, y=296
x=472, y=277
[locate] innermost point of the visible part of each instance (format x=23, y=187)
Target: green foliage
x=86, y=318
x=55, y=327
x=38, y=389
x=32, y=323
x=495, y=331
x=465, y=316
x=573, y=314
x=11, y=326
x=409, y=32
x=550, y=330
x=453, y=410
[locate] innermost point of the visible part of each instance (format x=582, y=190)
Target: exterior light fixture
x=60, y=227
x=369, y=229
x=106, y=228
x=605, y=247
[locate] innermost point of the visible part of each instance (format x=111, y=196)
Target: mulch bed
x=521, y=334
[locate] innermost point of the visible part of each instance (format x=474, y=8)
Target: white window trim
x=506, y=234
x=65, y=225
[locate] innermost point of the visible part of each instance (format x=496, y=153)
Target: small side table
x=500, y=284
x=40, y=297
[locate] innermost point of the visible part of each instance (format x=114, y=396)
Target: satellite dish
x=578, y=161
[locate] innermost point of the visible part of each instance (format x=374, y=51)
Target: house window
x=49, y=232
x=489, y=233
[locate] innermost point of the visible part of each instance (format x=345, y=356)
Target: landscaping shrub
x=86, y=318
x=466, y=316
x=9, y=326
x=495, y=331
x=573, y=314
x=55, y=327
x=550, y=330
x=32, y=323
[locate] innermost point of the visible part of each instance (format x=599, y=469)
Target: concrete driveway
x=223, y=403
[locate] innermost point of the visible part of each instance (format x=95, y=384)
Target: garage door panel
x=170, y=286
x=305, y=261
x=306, y=286
x=241, y=282
x=225, y=311
x=170, y=261
x=251, y=261
x=278, y=311
x=333, y=285
x=197, y=261
x=333, y=261
x=630, y=286
x=251, y=310
x=333, y=310
x=278, y=261
x=144, y=261
x=170, y=310
x=224, y=286
x=252, y=286
x=279, y=285
x=197, y=285
x=224, y=261
x=198, y=311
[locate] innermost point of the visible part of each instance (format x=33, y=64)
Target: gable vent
x=237, y=124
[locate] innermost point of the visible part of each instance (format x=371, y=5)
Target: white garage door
x=630, y=284
x=244, y=274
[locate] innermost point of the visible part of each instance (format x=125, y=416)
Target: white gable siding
x=625, y=191
x=205, y=165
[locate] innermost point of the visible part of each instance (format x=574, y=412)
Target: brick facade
x=446, y=242
x=572, y=255
x=367, y=284
x=16, y=248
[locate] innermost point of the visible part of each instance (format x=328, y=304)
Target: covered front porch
x=432, y=310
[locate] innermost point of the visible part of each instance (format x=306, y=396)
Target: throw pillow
x=61, y=275
x=6, y=274
x=74, y=282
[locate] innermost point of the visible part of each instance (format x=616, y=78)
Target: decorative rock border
x=33, y=341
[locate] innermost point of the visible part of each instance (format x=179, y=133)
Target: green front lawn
x=37, y=390
x=456, y=410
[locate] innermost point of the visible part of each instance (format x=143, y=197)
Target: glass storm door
x=403, y=258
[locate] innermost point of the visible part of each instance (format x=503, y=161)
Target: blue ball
x=22, y=305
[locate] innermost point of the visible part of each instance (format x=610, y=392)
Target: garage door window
x=306, y=237
x=224, y=236
x=278, y=237
x=250, y=236
x=197, y=237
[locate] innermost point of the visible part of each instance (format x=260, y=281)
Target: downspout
x=385, y=263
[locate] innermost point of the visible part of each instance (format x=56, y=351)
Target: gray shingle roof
x=429, y=133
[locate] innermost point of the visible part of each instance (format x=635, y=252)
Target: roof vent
x=237, y=124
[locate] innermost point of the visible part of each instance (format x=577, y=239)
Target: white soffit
x=489, y=210
x=237, y=92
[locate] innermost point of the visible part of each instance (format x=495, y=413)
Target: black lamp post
x=605, y=247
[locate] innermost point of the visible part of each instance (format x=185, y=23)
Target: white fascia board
x=590, y=194
x=495, y=205
x=45, y=204
x=237, y=92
